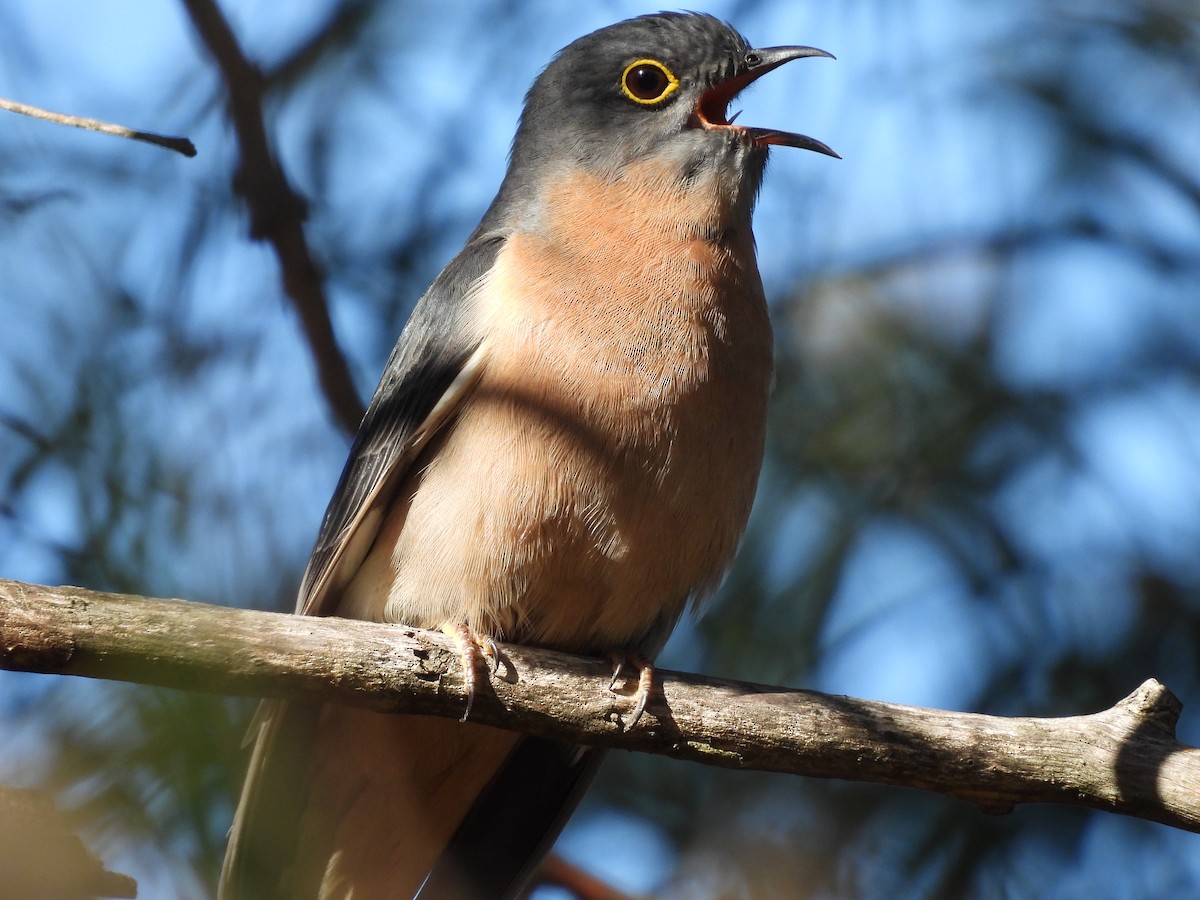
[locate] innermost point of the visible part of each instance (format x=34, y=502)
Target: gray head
x=654, y=85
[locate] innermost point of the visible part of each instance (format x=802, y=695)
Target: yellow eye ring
x=647, y=81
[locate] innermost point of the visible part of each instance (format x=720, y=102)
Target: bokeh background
x=983, y=482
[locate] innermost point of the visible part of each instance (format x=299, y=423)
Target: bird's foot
x=475, y=652
x=646, y=682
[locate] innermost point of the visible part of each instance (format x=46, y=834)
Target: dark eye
x=647, y=81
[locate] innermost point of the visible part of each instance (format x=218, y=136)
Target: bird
x=562, y=452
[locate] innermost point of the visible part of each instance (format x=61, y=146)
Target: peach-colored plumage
x=598, y=476
x=601, y=470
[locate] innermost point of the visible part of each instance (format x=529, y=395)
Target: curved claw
x=474, y=651
x=491, y=652
x=619, y=663
x=647, y=684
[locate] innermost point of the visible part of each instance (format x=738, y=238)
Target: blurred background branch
x=983, y=482
x=277, y=212
x=44, y=858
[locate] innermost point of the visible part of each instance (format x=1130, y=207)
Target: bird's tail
x=343, y=803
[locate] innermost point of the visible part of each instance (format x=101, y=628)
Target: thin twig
x=178, y=144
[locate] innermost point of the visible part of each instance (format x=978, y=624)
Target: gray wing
x=429, y=372
x=432, y=367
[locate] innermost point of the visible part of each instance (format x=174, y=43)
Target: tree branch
x=178, y=144
x=277, y=211
x=1125, y=759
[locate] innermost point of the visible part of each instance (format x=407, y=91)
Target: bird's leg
x=474, y=651
x=646, y=681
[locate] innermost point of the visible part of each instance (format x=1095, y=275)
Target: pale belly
x=528, y=530
x=600, y=473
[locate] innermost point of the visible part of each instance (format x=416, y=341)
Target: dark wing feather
x=429, y=370
x=513, y=823
x=421, y=383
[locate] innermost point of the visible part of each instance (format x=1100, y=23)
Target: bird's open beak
x=713, y=107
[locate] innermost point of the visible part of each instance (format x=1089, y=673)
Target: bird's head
x=650, y=93
x=658, y=84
